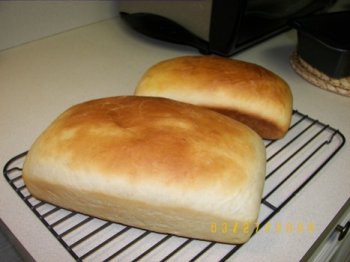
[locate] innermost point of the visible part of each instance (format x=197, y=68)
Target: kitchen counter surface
x=40, y=79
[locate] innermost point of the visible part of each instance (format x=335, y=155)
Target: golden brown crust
x=224, y=84
x=265, y=127
x=157, y=154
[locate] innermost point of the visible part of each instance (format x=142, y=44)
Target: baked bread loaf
x=244, y=91
x=152, y=163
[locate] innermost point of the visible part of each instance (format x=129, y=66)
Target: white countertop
x=40, y=79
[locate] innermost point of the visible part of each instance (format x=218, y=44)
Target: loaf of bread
x=152, y=163
x=244, y=91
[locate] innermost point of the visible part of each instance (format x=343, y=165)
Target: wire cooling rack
x=291, y=163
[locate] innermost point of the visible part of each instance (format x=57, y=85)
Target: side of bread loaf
x=244, y=91
x=151, y=163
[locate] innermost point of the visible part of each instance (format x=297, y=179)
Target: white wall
x=24, y=21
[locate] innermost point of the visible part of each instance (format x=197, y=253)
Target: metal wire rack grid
x=292, y=163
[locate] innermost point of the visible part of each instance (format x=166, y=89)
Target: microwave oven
x=221, y=27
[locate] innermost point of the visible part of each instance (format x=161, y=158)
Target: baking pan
x=324, y=42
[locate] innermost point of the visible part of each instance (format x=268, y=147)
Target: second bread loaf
x=244, y=91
